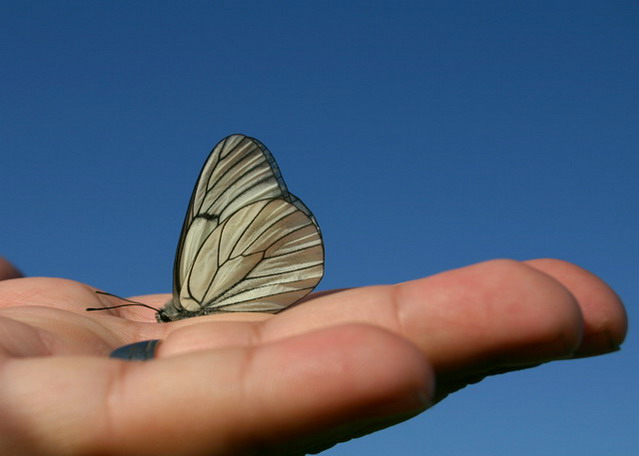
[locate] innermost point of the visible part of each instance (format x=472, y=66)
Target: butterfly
x=247, y=244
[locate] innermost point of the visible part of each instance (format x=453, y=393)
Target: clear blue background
x=424, y=135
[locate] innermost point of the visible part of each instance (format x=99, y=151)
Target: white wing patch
x=247, y=244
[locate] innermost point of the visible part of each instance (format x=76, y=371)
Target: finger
x=47, y=292
x=605, y=319
x=288, y=397
x=43, y=316
x=73, y=296
x=8, y=270
x=564, y=298
x=497, y=313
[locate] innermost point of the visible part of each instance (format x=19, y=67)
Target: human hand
x=339, y=365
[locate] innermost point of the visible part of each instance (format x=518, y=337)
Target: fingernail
x=138, y=351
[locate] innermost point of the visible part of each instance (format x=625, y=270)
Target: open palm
x=337, y=366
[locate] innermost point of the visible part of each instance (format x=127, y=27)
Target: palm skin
x=339, y=365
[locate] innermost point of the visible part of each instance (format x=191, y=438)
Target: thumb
x=290, y=396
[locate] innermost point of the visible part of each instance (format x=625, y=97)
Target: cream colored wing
x=247, y=244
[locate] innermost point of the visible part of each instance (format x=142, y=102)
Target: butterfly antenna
x=129, y=301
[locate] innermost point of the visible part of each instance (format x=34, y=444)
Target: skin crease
x=336, y=366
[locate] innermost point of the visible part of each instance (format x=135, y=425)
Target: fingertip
x=8, y=270
x=605, y=318
x=556, y=318
x=373, y=364
x=496, y=311
x=339, y=383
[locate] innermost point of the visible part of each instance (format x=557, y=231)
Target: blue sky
x=424, y=136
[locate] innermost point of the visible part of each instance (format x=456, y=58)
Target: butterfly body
x=247, y=244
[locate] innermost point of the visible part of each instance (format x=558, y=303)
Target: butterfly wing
x=247, y=244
